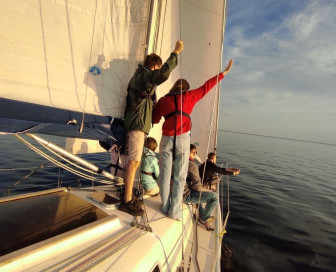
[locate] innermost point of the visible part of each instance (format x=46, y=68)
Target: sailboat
x=65, y=66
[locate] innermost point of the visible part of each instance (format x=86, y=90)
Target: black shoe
x=131, y=207
x=136, y=200
x=204, y=224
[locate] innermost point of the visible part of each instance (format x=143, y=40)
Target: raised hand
x=179, y=47
x=228, y=67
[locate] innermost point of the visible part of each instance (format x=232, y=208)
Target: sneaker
x=138, y=201
x=131, y=207
x=204, y=224
x=209, y=220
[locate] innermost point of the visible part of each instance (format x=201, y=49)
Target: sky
x=283, y=81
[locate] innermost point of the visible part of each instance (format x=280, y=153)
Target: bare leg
x=131, y=169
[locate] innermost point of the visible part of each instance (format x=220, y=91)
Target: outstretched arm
x=200, y=92
x=221, y=170
x=232, y=171
x=228, y=67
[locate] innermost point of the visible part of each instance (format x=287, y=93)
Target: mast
x=153, y=22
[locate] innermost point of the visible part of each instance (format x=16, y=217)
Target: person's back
x=167, y=105
x=141, y=92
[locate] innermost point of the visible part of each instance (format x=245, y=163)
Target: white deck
x=112, y=244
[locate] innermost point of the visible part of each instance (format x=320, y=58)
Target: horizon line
x=275, y=137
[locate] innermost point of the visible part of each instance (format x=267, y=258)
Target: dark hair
x=151, y=143
x=192, y=147
x=211, y=155
x=152, y=60
x=180, y=84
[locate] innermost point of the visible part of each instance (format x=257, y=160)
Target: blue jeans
x=210, y=198
x=173, y=206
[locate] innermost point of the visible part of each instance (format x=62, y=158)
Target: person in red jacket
x=175, y=141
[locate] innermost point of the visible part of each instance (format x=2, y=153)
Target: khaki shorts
x=136, y=139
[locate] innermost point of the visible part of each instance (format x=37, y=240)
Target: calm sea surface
x=283, y=204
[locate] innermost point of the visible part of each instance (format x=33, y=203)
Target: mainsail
x=65, y=64
x=68, y=62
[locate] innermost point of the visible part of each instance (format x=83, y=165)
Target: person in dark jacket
x=195, y=193
x=212, y=174
x=176, y=107
x=138, y=117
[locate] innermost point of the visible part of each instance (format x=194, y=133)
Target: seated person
x=150, y=168
x=213, y=172
x=193, y=189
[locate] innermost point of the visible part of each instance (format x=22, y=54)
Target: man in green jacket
x=138, y=116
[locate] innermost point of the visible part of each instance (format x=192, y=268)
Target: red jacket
x=166, y=105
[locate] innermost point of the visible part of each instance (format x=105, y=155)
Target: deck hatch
x=27, y=221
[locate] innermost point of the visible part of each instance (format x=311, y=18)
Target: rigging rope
x=163, y=27
x=71, y=51
x=181, y=132
x=140, y=187
x=86, y=88
x=208, y=143
x=32, y=172
x=45, y=52
x=211, y=124
x=225, y=8
x=103, y=44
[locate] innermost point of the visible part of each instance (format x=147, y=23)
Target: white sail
x=47, y=48
x=80, y=54
x=199, y=24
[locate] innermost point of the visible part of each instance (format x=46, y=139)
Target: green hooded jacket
x=141, y=94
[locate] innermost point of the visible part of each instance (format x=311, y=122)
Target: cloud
x=285, y=60
x=314, y=31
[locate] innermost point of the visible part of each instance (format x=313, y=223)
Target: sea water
x=282, y=205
